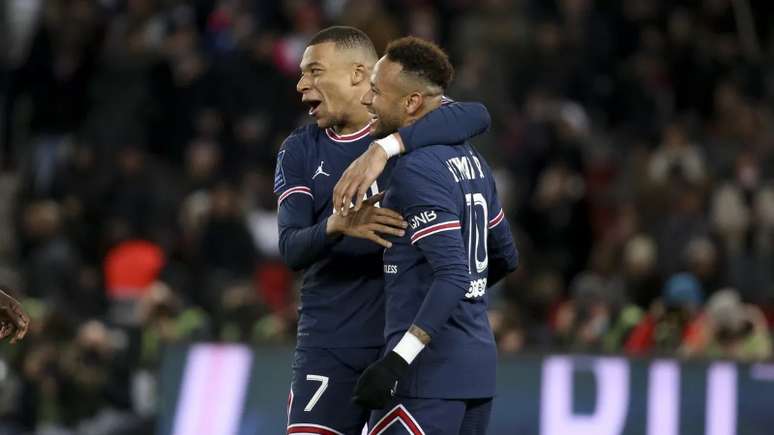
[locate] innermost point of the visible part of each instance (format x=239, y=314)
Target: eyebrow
x=311, y=65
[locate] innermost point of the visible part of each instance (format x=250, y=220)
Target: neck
x=355, y=120
x=353, y=123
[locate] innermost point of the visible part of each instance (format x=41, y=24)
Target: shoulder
x=474, y=152
x=301, y=138
x=487, y=169
x=293, y=157
x=421, y=170
x=427, y=162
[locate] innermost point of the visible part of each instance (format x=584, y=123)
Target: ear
x=359, y=74
x=414, y=103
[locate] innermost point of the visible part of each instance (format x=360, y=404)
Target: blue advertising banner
x=235, y=390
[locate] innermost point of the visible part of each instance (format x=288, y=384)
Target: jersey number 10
x=478, y=220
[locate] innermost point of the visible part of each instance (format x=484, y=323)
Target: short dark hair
x=423, y=59
x=344, y=37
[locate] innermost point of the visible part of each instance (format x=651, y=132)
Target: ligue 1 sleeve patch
x=279, y=172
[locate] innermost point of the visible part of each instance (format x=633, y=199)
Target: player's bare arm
x=14, y=322
x=420, y=334
x=370, y=222
x=468, y=119
x=361, y=173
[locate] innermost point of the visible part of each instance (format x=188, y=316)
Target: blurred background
x=633, y=143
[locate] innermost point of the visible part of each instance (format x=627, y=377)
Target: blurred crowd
x=633, y=143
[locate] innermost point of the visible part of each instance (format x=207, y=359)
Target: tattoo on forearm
x=419, y=333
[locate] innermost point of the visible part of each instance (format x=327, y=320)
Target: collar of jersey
x=363, y=132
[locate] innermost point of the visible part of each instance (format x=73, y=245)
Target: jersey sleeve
x=503, y=256
x=435, y=229
x=301, y=241
x=451, y=123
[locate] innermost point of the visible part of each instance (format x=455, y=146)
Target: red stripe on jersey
x=315, y=429
x=290, y=404
x=497, y=219
x=397, y=414
x=298, y=189
x=433, y=229
x=363, y=132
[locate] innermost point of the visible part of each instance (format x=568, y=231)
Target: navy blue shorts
x=432, y=417
x=320, y=399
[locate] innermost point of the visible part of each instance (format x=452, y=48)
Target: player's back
x=342, y=301
x=440, y=189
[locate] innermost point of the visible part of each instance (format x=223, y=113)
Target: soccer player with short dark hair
x=438, y=373
x=341, y=314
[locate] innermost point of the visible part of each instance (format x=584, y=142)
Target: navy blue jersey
x=342, y=301
x=433, y=416
x=457, y=244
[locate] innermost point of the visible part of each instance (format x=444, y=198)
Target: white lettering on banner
x=720, y=416
x=213, y=390
x=664, y=398
x=612, y=401
x=556, y=410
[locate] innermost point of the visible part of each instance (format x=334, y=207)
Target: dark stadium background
x=633, y=143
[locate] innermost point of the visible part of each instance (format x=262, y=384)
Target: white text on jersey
x=477, y=288
x=422, y=218
x=465, y=168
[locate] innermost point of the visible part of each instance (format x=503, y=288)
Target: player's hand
x=376, y=386
x=369, y=222
x=13, y=320
x=358, y=178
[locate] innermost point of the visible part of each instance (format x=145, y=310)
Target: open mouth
x=313, y=106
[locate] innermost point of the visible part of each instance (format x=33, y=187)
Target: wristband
x=390, y=145
x=409, y=347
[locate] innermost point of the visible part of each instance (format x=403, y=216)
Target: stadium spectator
x=731, y=329
x=670, y=322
